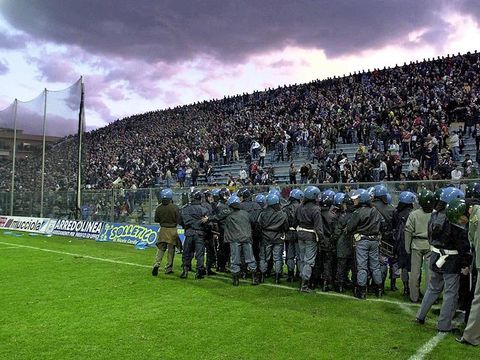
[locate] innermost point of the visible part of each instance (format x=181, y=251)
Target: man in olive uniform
x=273, y=223
x=309, y=231
x=365, y=226
x=416, y=242
x=471, y=334
x=167, y=215
x=237, y=234
x=448, y=247
x=195, y=231
x=291, y=239
x=345, y=260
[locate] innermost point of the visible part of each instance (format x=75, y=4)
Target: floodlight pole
x=81, y=118
x=12, y=185
x=43, y=154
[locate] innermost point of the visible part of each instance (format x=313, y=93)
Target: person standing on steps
x=167, y=215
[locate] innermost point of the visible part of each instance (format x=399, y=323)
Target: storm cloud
x=228, y=30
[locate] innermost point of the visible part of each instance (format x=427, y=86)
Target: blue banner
x=129, y=233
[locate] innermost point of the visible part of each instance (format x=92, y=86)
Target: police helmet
x=426, y=198
x=197, y=195
x=216, y=194
x=232, y=200
x=275, y=191
x=407, y=197
x=272, y=199
x=455, y=209
x=311, y=192
x=327, y=198
x=260, y=199
x=380, y=190
x=296, y=194
x=166, y=194
x=338, y=199
x=472, y=190
x=451, y=193
x=362, y=195
x=224, y=193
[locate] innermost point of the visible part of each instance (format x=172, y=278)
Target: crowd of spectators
x=394, y=113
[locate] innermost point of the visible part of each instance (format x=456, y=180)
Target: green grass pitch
x=60, y=299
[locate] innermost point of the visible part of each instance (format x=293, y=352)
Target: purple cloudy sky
x=150, y=54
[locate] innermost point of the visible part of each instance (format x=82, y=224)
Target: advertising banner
x=129, y=233
x=35, y=225
x=77, y=228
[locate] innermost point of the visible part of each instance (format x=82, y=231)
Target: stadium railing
x=138, y=206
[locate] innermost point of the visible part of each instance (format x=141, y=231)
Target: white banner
x=29, y=224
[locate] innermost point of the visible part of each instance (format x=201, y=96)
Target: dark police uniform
x=309, y=231
x=365, y=227
x=291, y=238
x=273, y=224
x=387, y=212
x=223, y=251
x=326, y=248
x=345, y=260
x=195, y=232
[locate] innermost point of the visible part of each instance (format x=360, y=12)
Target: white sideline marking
x=428, y=347
x=8, y=247
x=420, y=354
x=78, y=255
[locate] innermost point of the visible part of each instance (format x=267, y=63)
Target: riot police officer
x=191, y=219
x=406, y=200
x=168, y=216
x=273, y=224
x=344, y=243
x=291, y=239
x=210, y=237
x=416, y=243
x=326, y=246
x=238, y=235
x=381, y=203
x=447, y=245
x=309, y=231
x=365, y=226
x=223, y=251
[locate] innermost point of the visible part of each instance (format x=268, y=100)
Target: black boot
x=262, y=277
x=236, y=279
x=305, y=288
x=290, y=277
x=325, y=286
x=406, y=290
x=210, y=272
x=361, y=292
x=393, y=286
x=277, y=278
x=254, y=279
x=155, y=271
x=379, y=291
x=340, y=288
x=199, y=275
x=184, y=273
